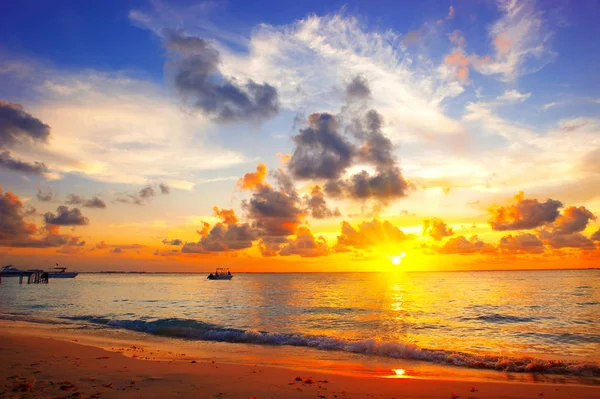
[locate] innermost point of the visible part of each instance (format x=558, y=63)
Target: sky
x=314, y=136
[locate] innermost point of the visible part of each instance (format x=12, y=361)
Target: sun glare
x=397, y=259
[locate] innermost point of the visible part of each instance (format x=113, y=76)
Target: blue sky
x=480, y=99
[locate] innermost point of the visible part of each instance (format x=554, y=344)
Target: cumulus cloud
x=44, y=196
x=523, y=243
x=523, y=214
x=16, y=165
x=358, y=88
x=15, y=231
x=570, y=240
x=317, y=205
x=275, y=211
x=462, y=245
x=199, y=80
x=305, y=244
x=436, y=229
x=369, y=234
x=228, y=235
x=94, y=202
x=321, y=151
x=595, y=236
x=253, y=180
x=66, y=217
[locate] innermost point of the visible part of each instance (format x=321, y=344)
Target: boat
x=222, y=273
x=11, y=271
x=60, y=272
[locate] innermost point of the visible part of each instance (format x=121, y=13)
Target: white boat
x=59, y=272
x=11, y=271
x=222, y=273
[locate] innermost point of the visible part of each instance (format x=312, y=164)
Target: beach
x=44, y=363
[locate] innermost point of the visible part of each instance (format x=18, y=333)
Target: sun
x=397, y=259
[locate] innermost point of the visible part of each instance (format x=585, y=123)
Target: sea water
x=521, y=321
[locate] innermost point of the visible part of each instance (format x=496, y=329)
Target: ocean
x=512, y=321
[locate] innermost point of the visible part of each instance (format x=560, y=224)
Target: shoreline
x=152, y=368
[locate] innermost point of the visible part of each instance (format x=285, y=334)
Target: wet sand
x=36, y=364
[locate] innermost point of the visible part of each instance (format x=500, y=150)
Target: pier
x=33, y=276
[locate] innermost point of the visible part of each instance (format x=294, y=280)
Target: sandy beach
x=43, y=363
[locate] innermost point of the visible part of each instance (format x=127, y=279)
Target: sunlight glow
x=397, y=259
x=399, y=371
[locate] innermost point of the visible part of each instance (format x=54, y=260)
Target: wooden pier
x=33, y=276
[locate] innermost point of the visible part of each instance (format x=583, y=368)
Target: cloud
x=463, y=246
x=520, y=41
x=142, y=197
x=66, y=217
x=436, y=229
x=513, y=96
x=458, y=62
x=572, y=220
x=228, y=235
x=572, y=240
x=118, y=129
x=253, y=180
x=44, y=196
x=175, y=242
x=199, y=80
x=94, y=202
x=17, y=125
x=321, y=151
x=523, y=214
x=275, y=212
x=595, y=236
x=317, y=205
x=523, y=243
x=305, y=245
x=119, y=249
x=369, y=234
x=358, y=89
x=16, y=232
x=164, y=189
x=16, y=165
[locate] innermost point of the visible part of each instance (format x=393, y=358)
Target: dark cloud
x=384, y=185
x=596, y=236
x=524, y=214
x=225, y=236
x=358, y=88
x=199, y=80
x=66, y=217
x=142, y=197
x=436, y=229
x=370, y=234
x=305, y=245
x=12, y=225
x=317, y=205
x=274, y=212
x=44, y=196
x=164, y=189
x=16, y=232
x=462, y=245
x=17, y=125
x=571, y=240
x=176, y=242
x=572, y=220
x=524, y=243
x=321, y=151
x=95, y=202
x=16, y=165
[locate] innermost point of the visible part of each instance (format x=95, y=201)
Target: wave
x=193, y=329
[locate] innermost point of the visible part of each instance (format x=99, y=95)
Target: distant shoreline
x=344, y=272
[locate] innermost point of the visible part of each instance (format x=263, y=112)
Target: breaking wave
x=192, y=329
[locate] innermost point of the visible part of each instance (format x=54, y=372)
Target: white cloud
x=114, y=128
x=520, y=40
x=513, y=96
